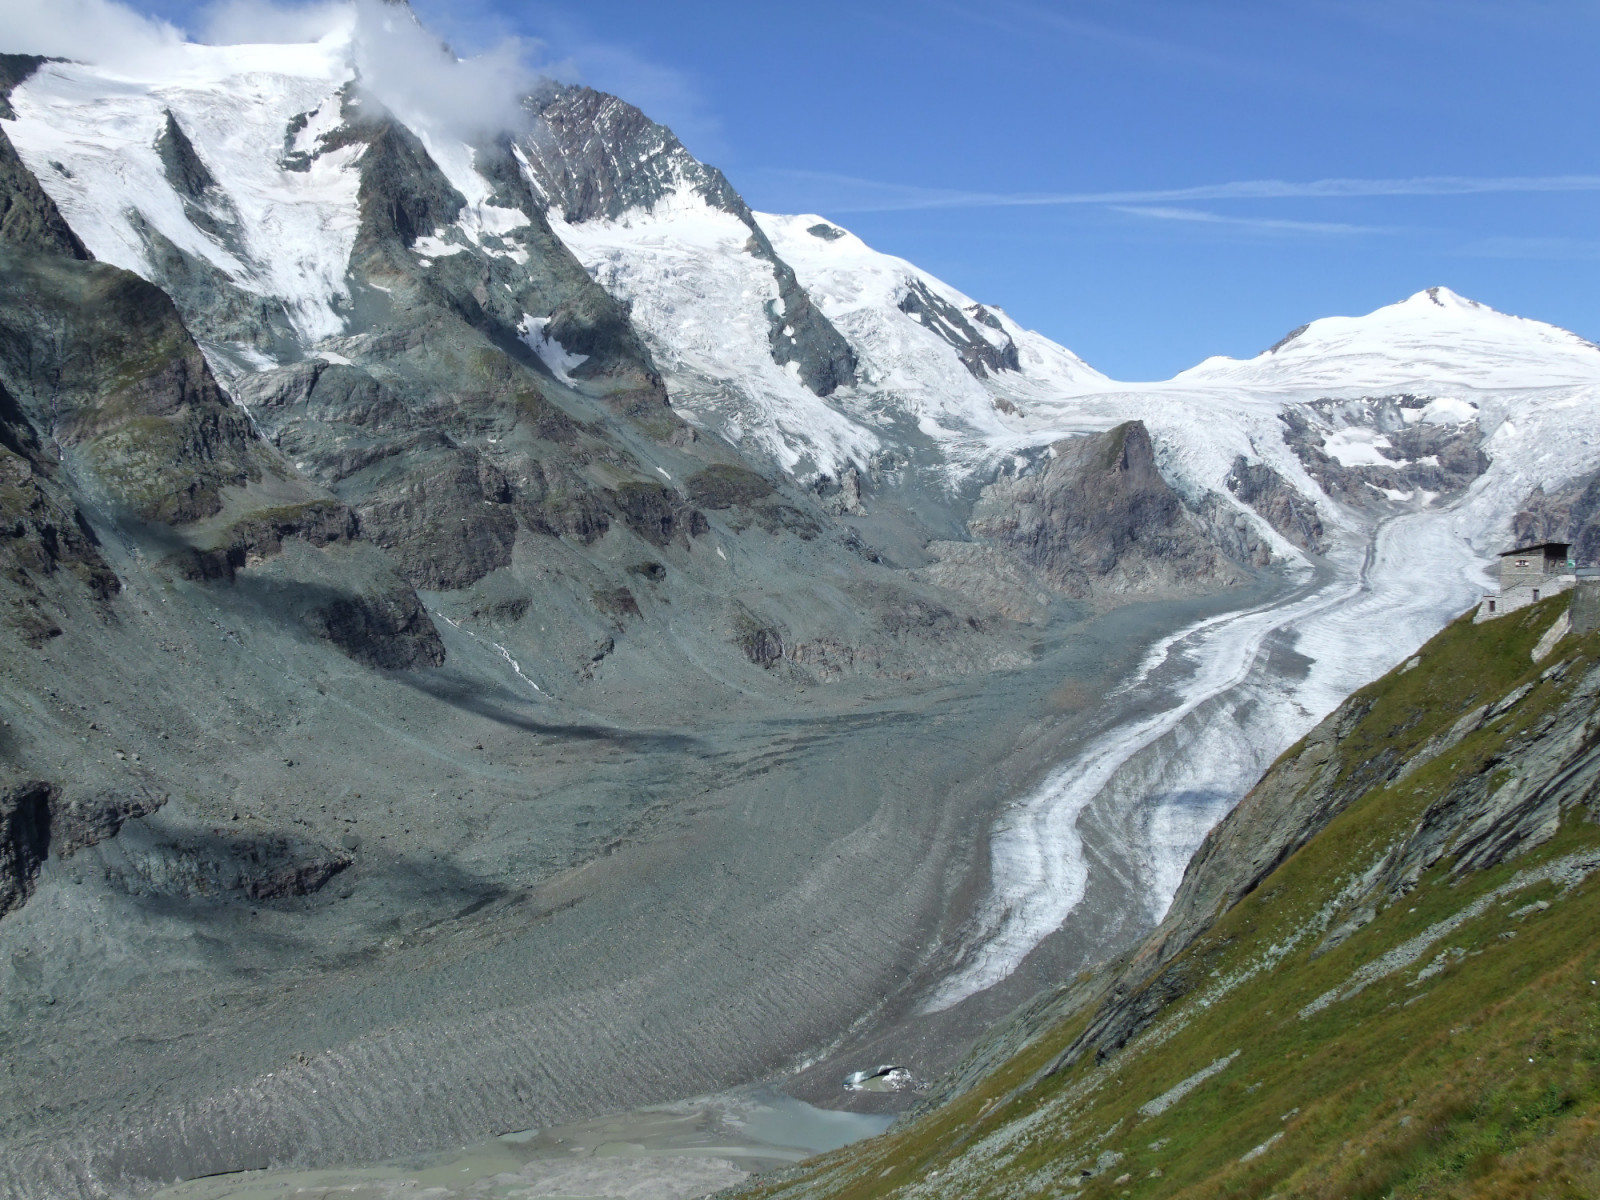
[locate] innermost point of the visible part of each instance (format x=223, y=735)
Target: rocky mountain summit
x=497, y=631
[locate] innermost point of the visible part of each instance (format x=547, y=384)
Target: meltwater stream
x=1229, y=695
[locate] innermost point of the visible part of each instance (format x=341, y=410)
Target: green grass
x=1481, y=1081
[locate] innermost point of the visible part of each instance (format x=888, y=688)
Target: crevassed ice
x=1158, y=784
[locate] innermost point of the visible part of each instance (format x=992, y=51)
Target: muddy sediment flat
x=671, y=1152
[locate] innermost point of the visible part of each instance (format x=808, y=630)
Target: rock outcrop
x=38, y=823
x=1566, y=513
x=1417, y=460
x=1278, y=502
x=24, y=839
x=981, y=353
x=1098, y=522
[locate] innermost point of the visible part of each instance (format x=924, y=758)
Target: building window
x=1491, y=606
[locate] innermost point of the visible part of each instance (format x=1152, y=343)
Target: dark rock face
x=1284, y=508
x=657, y=515
x=185, y=172
x=403, y=195
x=1441, y=459
x=596, y=157
x=41, y=530
x=101, y=362
x=391, y=630
x=979, y=354
x=761, y=644
x=442, y=528
x=261, y=535
x=87, y=821
x=24, y=839
x=222, y=865
x=1100, y=521
x=723, y=486
x=1287, y=338
x=37, y=823
x=1570, y=513
x=29, y=219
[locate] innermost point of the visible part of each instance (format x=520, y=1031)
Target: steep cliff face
x=1375, y=977
x=1095, y=522
x=1278, y=502
x=29, y=220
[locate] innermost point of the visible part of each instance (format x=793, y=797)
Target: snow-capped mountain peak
x=1433, y=337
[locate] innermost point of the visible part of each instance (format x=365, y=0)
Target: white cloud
x=1245, y=224
x=91, y=30
x=400, y=64
x=240, y=22
x=418, y=79
x=823, y=192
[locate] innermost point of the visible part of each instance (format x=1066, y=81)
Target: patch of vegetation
x=616, y=602
x=723, y=486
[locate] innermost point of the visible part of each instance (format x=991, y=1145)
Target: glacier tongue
x=1235, y=691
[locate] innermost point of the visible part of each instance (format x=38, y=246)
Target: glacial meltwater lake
x=669, y=1152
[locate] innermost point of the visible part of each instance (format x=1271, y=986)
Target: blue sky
x=1077, y=163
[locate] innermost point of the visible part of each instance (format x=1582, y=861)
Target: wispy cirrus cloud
x=845, y=193
x=1268, y=225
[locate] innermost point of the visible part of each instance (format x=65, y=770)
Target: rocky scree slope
x=1376, y=978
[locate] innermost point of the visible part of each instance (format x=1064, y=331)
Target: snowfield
x=700, y=298
x=90, y=134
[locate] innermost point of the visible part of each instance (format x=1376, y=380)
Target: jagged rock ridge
x=596, y=157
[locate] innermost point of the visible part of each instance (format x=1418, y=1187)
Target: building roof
x=1558, y=547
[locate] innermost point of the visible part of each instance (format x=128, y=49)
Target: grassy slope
x=1480, y=1080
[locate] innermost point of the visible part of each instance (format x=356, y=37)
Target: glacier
x=957, y=385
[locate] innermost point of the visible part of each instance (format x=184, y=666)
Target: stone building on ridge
x=1527, y=574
